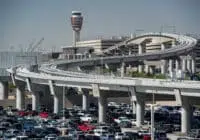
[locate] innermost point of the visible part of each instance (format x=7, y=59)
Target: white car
x=133, y=122
x=120, y=136
x=120, y=119
x=100, y=132
x=87, y=118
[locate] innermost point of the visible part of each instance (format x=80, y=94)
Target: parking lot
x=75, y=123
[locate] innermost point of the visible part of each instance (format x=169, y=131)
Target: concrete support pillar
x=146, y=68
x=102, y=103
x=177, y=65
x=134, y=107
x=189, y=65
x=170, y=65
x=193, y=65
x=129, y=51
x=183, y=64
x=3, y=90
x=56, y=104
x=163, y=67
x=162, y=47
x=123, y=69
x=133, y=98
x=173, y=43
x=139, y=112
x=79, y=68
x=85, y=101
x=107, y=66
x=35, y=101
x=150, y=70
x=140, y=68
x=20, y=98
x=53, y=90
x=139, y=49
x=186, y=115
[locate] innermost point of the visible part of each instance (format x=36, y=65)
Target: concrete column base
x=193, y=65
x=183, y=65
x=139, y=112
x=140, y=68
x=56, y=104
x=20, y=98
x=186, y=115
x=35, y=101
x=85, y=101
x=123, y=69
x=102, y=103
x=146, y=69
x=163, y=67
x=189, y=65
x=3, y=90
x=170, y=65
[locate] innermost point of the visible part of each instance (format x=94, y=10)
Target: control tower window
x=77, y=14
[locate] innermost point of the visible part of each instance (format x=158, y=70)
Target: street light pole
x=152, y=117
x=63, y=131
x=63, y=103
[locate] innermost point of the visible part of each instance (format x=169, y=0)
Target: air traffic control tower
x=76, y=22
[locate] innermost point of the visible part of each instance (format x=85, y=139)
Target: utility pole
x=152, y=115
x=63, y=131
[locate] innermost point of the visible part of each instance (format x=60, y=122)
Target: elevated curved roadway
x=49, y=70
x=185, y=44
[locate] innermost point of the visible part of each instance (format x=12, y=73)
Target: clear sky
x=24, y=21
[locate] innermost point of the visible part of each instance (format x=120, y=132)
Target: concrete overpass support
x=20, y=97
x=193, y=65
x=183, y=64
x=140, y=51
x=189, y=65
x=84, y=102
x=139, y=112
x=79, y=68
x=35, y=100
x=34, y=89
x=163, y=67
x=102, y=102
x=133, y=99
x=146, y=69
x=123, y=69
x=151, y=70
x=173, y=43
x=3, y=90
x=56, y=98
x=140, y=68
x=186, y=115
x=107, y=66
x=56, y=104
x=85, y=99
x=170, y=65
x=177, y=65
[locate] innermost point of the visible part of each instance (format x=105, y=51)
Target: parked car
x=121, y=136
x=85, y=127
x=120, y=119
